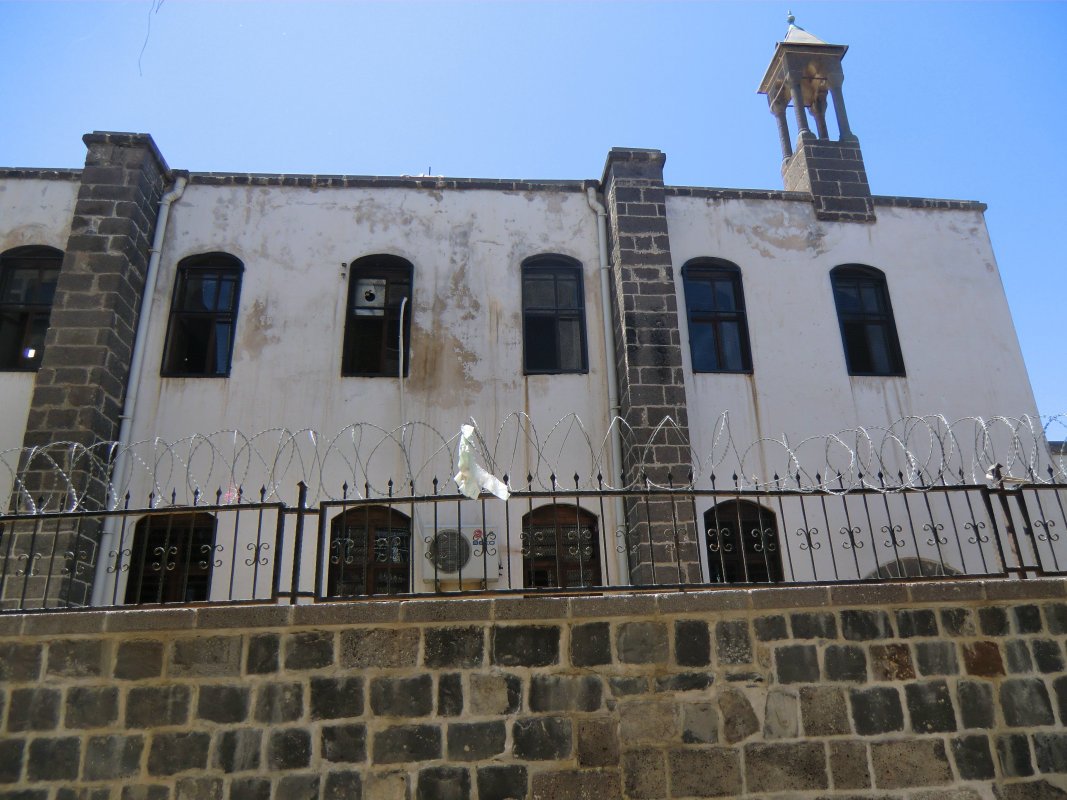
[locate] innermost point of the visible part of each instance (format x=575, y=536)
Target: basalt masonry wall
x=80, y=388
x=834, y=174
x=953, y=691
x=649, y=364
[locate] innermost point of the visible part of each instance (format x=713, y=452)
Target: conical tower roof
x=797, y=35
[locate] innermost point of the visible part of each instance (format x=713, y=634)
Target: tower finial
x=790, y=18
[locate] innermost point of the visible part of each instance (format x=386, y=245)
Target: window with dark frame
x=378, y=286
x=741, y=538
x=28, y=277
x=203, y=317
x=868, y=331
x=171, y=559
x=553, y=316
x=715, y=306
x=370, y=552
x=560, y=547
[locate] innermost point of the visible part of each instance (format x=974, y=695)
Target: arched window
x=171, y=558
x=741, y=538
x=868, y=331
x=715, y=307
x=379, y=295
x=553, y=315
x=28, y=277
x=370, y=552
x=560, y=547
x=203, y=316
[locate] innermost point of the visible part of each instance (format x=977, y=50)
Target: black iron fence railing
x=561, y=540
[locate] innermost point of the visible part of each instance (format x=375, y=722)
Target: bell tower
x=806, y=73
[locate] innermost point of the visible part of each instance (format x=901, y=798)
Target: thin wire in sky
x=153, y=8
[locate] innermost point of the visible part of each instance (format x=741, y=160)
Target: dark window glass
x=742, y=543
x=377, y=288
x=553, y=315
x=171, y=559
x=28, y=277
x=370, y=552
x=715, y=305
x=560, y=547
x=868, y=331
x=203, y=316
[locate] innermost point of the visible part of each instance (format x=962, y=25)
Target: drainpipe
x=129, y=407
x=610, y=369
x=400, y=369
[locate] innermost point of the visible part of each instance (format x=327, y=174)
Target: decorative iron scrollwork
x=935, y=531
x=718, y=539
x=626, y=541
x=257, y=554
x=765, y=540
x=205, y=552
x=977, y=528
x=891, y=531
x=164, y=558
x=120, y=559
x=342, y=550
x=852, y=542
x=30, y=567
x=1046, y=526
x=809, y=535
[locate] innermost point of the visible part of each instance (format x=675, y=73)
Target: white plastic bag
x=471, y=478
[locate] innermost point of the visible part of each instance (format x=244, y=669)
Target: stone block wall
x=80, y=388
x=834, y=174
x=649, y=364
x=903, y=691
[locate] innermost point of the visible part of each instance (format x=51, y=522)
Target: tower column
x=797, y=91
x=818, y=110
x=783, y=132
x=839, y=108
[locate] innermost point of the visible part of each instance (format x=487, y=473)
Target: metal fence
x=563, y=538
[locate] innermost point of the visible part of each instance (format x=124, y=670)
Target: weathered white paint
x=34, y=212
x=467, y=248
x=960, y=351
x=950, y=308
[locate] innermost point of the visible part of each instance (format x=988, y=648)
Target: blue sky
x=956, y=100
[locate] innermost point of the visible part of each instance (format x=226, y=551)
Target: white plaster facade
x=467, y=245
x=467, y=248
x=466, y=347
x=948, y=301
x=32, y=212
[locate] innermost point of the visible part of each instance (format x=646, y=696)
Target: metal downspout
x=611, y=373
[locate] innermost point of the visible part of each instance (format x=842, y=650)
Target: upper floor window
x=203, y=316
x=715, y=305
x=28, y=277
x=553, y=315
x=868, y=331
x=379, y=309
